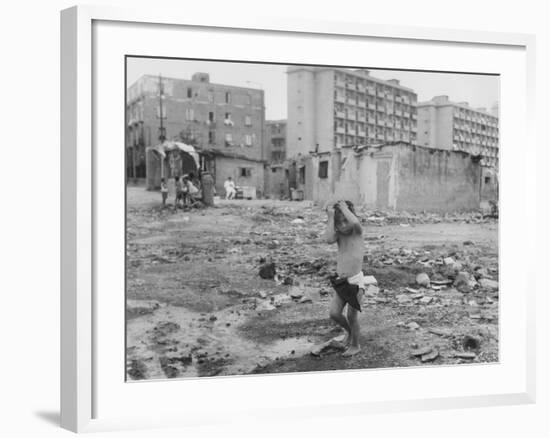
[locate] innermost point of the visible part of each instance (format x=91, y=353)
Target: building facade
x=443, y=124
x=275, y=133
x=208, y=116
x=330, y=108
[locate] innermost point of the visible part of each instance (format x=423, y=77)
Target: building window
x=228, y=139
x=211, y=116
x=189, y=114
x=249, y=99
x=302, y=175
x=227, y=97
x=227, y=120
x=245, y=172
x=211, y=137
x=487, y=180
x=323, y=169
x=248, y=121
x=248, y=140
x=210, y=97
x=189, y=92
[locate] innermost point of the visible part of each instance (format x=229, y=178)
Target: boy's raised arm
x=352, y=219
x=330, y=233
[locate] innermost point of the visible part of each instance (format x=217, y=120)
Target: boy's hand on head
x=342, y=205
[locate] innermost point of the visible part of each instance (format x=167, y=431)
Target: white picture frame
x=79, y=217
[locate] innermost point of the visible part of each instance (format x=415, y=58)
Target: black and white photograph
x=308, y=218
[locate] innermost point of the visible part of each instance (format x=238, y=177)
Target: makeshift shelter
x=170, y=159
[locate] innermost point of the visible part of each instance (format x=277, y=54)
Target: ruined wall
x=435, y=180
x=276, y=182
x=225, y=167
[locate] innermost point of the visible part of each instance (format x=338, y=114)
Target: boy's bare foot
x=351, y=351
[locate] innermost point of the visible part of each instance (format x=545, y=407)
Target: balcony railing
x=340, y=114
x=371, y=91
x=340, y=130
x=339, y=98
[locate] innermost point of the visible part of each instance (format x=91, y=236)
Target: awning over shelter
x=168, y=146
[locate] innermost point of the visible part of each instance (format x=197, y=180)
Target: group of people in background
x=190, y=189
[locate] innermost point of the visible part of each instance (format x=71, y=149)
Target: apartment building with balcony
x=443, y=124
x=217, y=118
x=275, y=133
x=329, y=108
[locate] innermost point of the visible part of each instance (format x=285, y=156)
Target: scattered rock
x=487, y=283
x=422, y=351
x=430, y=356
x=413, y=326
x=298, y=221
x=267, y=271
x=422, y=279
x=426, y=300
x=213, y=318
x=403, y=298
x=462, y=281
x=372, y=290
x=296, y=293
x=440, y=332
x=304, y=300
x=448, y=260
x=465, y=355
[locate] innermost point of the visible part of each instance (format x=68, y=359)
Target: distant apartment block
x=443, y=124
x=275, y=133
x=329, y=108
x=195, y=111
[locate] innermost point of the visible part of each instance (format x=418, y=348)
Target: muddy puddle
x=174, y=342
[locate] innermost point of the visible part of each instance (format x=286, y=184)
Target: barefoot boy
x=345, y=229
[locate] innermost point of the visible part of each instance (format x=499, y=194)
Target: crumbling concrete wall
x=410, y=178
x=436, y=180
x=276, y=182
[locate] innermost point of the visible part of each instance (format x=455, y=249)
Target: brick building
x=218, y=119
x=331, y=107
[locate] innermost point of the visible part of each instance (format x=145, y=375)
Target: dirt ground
x=197, y=306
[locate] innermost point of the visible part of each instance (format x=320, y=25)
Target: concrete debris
x=430, y=356
x=267, y=271
x=422, y=351
x=440, y=332
x=413, y=326
x=423, y=280
x=426, y=300
x=465, y=355
x=487, y=283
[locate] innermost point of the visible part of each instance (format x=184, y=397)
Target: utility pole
x=162, y=131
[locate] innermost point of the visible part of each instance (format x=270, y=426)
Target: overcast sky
x=478, y=90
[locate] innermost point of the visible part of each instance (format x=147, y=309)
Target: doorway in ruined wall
x=383, y=184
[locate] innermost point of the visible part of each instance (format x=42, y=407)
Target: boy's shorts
x=346, y=291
